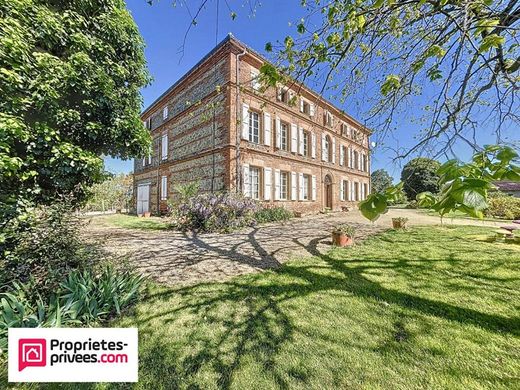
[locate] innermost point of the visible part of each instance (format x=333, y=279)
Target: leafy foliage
x=272, y=214
x=420, y=175
x=463, y=187
x=70, y=75
x=503, y=206
x=115, y=192
x=380, y=180
x=345, y=229
x=214, y=213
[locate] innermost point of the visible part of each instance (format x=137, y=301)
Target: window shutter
x=165, y=113
x=164, y=147
x=164, y=187
x=291, y=96
x=255, y=82
x=349, y=157
x=362, y=191
x=360, y=166
x=324, y=156
x=276, y=184
x=144, y=162
x=294, y=138
x=314, y=187
x=312, y=109
x=267, y=129
x=334, y=150
x=301, y=105
x=300, y=141
x=313, y=145
x=278, y=133
x=245, y=121
x=300, y=182
x=349, y=191
x=245, y=180
x=267, y=183
x=293, y=186
x=150, y=159
x=341, y=190
x=279, y=93
x=341, y=155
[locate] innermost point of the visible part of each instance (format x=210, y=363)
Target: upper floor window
x=284, y=136
x=328, y=119
x=164, y=147
x=356, y=160
x=328, y=148
x=254, y=127
x=165, y=112
x=305, y=143
x=344, y=130
x=255, y=79
x=305, y=107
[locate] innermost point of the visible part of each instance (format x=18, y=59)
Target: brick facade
x=280, y=135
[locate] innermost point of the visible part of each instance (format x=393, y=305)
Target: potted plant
x=343, y=235
x=399, y=223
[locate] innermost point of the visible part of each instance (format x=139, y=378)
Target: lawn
x=127, y=221
x=432, y=307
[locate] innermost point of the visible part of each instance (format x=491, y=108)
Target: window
x=164, y=187
x=356, y=160
x=305, y=107
x=328, y=119
x=284, y=185
x=165, y=113
x=164, y=147
x=344, y=130
x=365, y=163
x=305, y=187
x=328, y=149
x=254, y=127
x=284, y=136
x=254, y=178
x=305, y=143
x=344, y=193
x=365, y=190
x=356, y=191
x=255, y=79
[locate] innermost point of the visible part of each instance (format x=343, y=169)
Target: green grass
x=432, y=307
x=131, y=222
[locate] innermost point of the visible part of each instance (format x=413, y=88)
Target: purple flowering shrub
x=214, y=213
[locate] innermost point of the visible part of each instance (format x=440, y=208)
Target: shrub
x=413, y=204
x=42, y=246
x=272, y=214
x=503, y=206
x=345, y=229
x=420, y=175
x=214, y=213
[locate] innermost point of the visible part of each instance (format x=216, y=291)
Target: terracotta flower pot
x=147, y=214
x=398, y=224
x=341, y=240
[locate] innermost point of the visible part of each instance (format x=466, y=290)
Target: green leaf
x=490, y=41
x=372, y=207
x=391, y=84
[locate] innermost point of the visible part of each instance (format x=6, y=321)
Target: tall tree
x=420, y=175
x=380, y=180
x=70, y=75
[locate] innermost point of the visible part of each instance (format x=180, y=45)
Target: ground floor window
x=344, y=192
x=284, y=185
x=164, y=187
x=254, y=179
x=305, y=187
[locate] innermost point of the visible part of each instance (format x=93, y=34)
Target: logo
x=32, y=353
x=72, y=355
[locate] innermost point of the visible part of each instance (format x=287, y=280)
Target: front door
x=143, y=198
x=328, y=192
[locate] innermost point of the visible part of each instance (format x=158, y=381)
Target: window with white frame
x=344, y=193
x=305, y=186
x=344, y=130
x=328, y=148
x=165, y=112
x=365, y=190
x=356, y=160
x=284, y=136
x=356, y=191
x=328, y=119
x=283, y=95
x=305, y=143
x=284, y=185
x=254, y=127
x=365, y=163
x=164, y=147
x=255, y=79
x=305, y=107
x=254, y=180
x=164, y=187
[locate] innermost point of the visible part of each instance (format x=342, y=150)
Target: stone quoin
x=285, y=145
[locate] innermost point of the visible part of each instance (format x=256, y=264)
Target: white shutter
x=349, y=157
x=164, y=187
x=301, y=105
x=276, y=184
x=245, y=121
x=293, y=186
x=313, y=145
x=278, y=133
x=279, y=93
x=313, y=187
x=245, y=180
x=362, y=191
x=349, y=191
x=352, y=197
x=334, y=150
x=164, y=147
x=149, y=159
x=144, y=162
x=360, y=166
x=300, y=144
x=300, y=182
x=267, y=183
x=267, y=129
x=255, y=81
x=341, y=191
x=312, y=109
x=324, y=156
x=341, y=155
x=165, y=112
x=294, y=138
x=291, y=96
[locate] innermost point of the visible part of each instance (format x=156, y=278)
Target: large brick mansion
x=286, y=145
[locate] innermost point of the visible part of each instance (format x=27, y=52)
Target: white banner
x=73, y=355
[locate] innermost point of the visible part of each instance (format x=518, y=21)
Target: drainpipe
x=238, y=183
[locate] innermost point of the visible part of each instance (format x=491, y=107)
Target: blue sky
x=164, y=25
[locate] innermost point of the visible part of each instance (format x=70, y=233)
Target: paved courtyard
x=183, y=258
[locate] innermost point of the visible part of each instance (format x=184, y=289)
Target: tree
x=420, y=175
x=457, y=60
x=70, y=76
x=115, y=192
x=380, y=180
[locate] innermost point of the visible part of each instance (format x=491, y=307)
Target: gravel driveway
x=176, y=258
